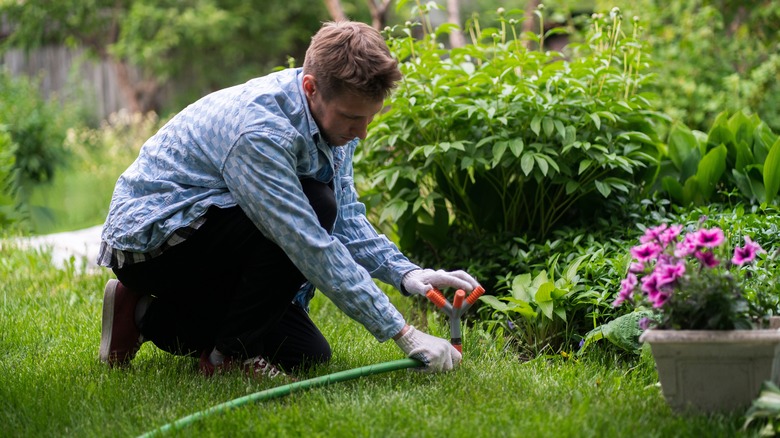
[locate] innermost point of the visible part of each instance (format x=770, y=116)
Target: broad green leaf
x=493, y=302
x=772, y=173
x=596, y=120
x=681, y=143
x=542, y=163
x=742, y=128
x=711, y=167
x=570, y=135
x=499, y=148
x=673, y=187
x=603, y=188
x=584, y=165
x=536, y=124
x=637, y=136
x=560, y=129
x=607, y=115
x=744, y=155
x=516, y=146
x=394, y=210
x=521, y=307
x=392, y=179
x=548, y=125
x=763, y=139
x=521, y=285
x=539, y=280
x=720, y=132
x=692, y=194
x=527, y=163
x=561, y=312
x=574, y=266
x=547, y=308
x=742, y=181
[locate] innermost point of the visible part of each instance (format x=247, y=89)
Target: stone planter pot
x=712, y=370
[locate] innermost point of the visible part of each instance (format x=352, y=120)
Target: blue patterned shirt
x=249, y=145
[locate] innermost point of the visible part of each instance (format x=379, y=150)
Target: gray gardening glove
x=437, y=354
x=420, y=281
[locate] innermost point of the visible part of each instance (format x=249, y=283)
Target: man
x=243, y=203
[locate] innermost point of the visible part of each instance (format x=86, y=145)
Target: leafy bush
x=740, y=153
x=8, y=187
x=493, y=139
x=80, y=193
x=565, y=288
x=35, y=125
x=713, y=55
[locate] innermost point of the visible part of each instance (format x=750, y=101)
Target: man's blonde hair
x=351, y=57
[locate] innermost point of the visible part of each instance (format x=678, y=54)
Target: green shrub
x=739, y=156
x=35, y=125
x=493, y=139
x=713, y=55
x=8, y=187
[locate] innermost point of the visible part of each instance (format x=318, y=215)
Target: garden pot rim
x=660, y=336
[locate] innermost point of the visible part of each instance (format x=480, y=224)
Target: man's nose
x=360, y=129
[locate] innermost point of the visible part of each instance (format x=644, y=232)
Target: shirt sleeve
x=375, y=252
x=260, y=173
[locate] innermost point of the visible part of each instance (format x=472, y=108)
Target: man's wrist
x=401, y=333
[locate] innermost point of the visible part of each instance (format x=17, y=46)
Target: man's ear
x=309, y=85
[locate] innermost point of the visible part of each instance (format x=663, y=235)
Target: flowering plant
x=690, y=280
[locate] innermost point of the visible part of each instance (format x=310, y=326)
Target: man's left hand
x=420, y=281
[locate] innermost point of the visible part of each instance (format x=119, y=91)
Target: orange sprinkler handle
x=460, y=295
x=436, y=297
x=475, y=294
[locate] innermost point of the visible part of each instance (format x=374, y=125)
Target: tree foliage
x=206, y=44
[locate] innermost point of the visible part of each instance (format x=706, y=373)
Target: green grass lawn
x=52, y=383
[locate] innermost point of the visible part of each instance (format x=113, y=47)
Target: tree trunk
x=378, y=10
x=529, y=24
x=335, y=10
x=453, y=16
x=139, y=96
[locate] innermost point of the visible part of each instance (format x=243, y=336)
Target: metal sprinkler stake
x=460, y=304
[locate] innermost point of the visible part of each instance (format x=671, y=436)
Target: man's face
x=342, y=118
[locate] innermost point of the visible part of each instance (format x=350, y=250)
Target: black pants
x=229, y=286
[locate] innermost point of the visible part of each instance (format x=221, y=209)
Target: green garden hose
x=285, y=390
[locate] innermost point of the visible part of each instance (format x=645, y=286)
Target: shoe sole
x=109, y=298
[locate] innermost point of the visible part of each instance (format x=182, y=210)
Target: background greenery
x=533, y=169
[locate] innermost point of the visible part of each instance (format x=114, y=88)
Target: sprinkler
x=460, y=304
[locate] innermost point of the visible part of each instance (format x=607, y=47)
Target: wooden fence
x=69, y=74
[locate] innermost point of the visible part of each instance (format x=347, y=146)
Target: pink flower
x=707, y=258
x=659, y=297
x=670, y=234
x=646, y=251
x=650, y=284
x=669, y=273
x=746, y=253
x=710, y=238
x=687, y=246
x=636, y=267
x=626, y=290
x=652, y=234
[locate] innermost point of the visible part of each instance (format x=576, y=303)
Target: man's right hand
x=437, y=354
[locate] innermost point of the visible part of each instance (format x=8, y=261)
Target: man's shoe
x=254, y=366
x=120, y=338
